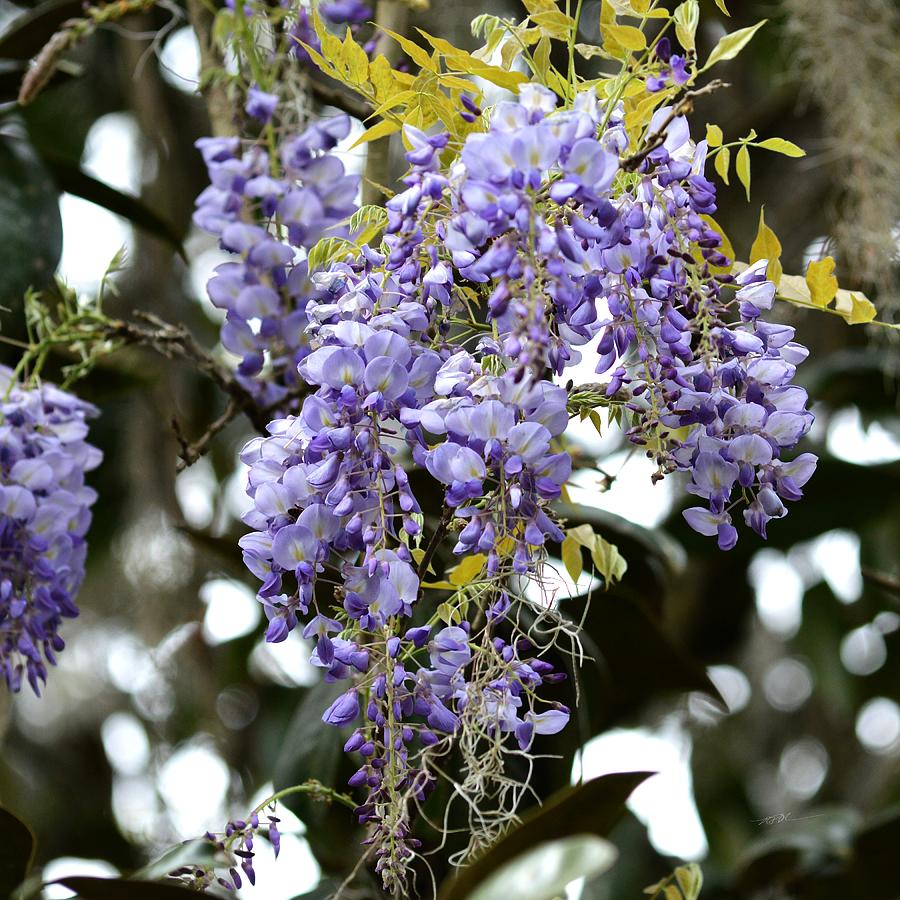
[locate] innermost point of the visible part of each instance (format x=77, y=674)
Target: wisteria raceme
x=264, y=219
x=44, y=517
x=563, y=239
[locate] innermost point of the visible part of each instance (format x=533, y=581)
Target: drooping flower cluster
x=236, y=851
x=560, y=238
x=44, y=517
x=264, y=210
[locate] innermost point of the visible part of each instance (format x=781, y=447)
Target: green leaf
x=742, y=166
x=74, y=180
x=780, y=145
x=721, y=5
x=731, y=44
x=714, y=135
x=627, y=36
x=571, y=557
x=690, y=880
x=687, y=17
x=121, y=888
x=722, y=159
x=327, y=250
x=590, y=808
x=368, y=215
x=30, y=224
x=16, y=852
x=367, y=222
x=545, y=870
x=608, y=561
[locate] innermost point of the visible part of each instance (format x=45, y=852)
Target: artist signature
x=781, y=818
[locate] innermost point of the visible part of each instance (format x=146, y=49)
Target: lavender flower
x=44, y=517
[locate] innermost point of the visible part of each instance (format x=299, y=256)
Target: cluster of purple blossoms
x=743, y=412
x=564, y=242
x=44, y=517
x=673, y=68
x=236, y=846
x=265, y=211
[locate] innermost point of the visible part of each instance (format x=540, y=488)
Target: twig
x=883, y=580
x=71, y=33
x=435, y=542
x=336, y=96
x=190, y=452
x=176, y=341
x=656, y=139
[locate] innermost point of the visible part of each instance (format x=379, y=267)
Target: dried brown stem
x=656, y=138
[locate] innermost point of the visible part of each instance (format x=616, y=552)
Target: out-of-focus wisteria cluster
x=45, y=507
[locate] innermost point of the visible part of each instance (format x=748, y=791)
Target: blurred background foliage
x=168, y=714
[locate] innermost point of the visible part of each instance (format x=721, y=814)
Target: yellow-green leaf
x=439, y=585
x=607, y=560
x=821, y=281
x=686, y=18
x=721, y=5
x=554, y=23
x=721, y=161
x=449, y=614
x=417, y=54
x=731, y=44
x=536, y=7
x=356, y=59
x=742, y=166
x=328, y=250
x=398, y=99
x=852, y=306
x=690, y=880
x=856, y=308
x=767, y=246
x=626, y=36
x=468, y=569
x=714, y=136
x=571, y=557
x=380, y=130
x=780, y=145
x=583, y=535
x=541, y=58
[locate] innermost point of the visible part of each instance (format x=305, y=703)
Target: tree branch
x=658, y=137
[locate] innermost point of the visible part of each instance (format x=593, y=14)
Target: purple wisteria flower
x=539, y=221
x=44, y=517
x=266, y=289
